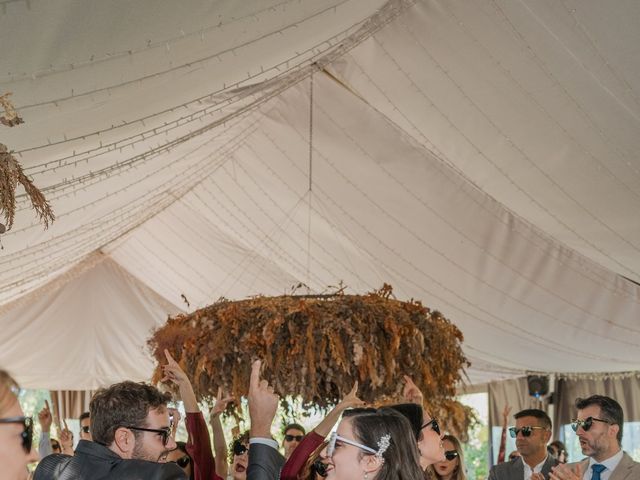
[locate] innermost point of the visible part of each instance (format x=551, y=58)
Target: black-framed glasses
x=319, y=467
x=164, y=432
x=450, y=455
x=291, y=438
x=434, y=425
x=239, y=448
x=183, y=461
x=587, y=423
x=85, y=429
x=526, y=431
x=55, y=446
x=27, y=430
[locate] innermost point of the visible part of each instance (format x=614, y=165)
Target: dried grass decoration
x=316, y=346
x=10, y=174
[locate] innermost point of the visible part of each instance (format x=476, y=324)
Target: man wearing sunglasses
x=129, y=423
x=293, y=435
x=532, y=433
x=598, y=425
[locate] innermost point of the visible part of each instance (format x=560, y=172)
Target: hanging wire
x=310, y=191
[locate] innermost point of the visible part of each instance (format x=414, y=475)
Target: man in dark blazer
x=131, y=439
x=599, y=425
x=532, y=433
x=265, y=461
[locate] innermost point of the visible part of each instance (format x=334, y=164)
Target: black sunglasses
x=450, y=455
x=291, y=438
x=319, y=467
x=587, y=423
x=239, y=448
x=85, y=429
x=526, y=431
x=183, y=461
x=434, y=425
x=164, y=432
x=27, y=432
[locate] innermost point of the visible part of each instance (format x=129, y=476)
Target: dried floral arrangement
x=317, y=346
x=11, y=174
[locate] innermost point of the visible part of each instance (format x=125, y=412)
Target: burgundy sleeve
x=300, y=456
x=503, y=445
x=199, y=448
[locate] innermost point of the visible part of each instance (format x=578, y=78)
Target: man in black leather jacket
x=131, y=438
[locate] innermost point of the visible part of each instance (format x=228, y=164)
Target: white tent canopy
x=479, y=156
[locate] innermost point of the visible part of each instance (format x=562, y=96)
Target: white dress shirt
x=528, y=471
x=611, y=463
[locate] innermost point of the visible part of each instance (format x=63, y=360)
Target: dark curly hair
x=123, y=404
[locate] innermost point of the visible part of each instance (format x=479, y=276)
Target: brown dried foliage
x=317, y=346
x=10, y=175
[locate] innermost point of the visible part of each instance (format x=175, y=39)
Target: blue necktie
x=597, y=470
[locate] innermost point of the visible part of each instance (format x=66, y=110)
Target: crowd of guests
x=129, y=434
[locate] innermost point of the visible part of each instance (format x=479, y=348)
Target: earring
x=366, y=475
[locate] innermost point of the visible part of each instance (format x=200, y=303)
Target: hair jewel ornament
x=383, y=445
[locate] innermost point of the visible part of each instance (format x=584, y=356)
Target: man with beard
x=532, y=433
x=131, y=433
x=599, y=428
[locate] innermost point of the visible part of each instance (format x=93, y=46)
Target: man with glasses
x=532, y=433
x=293, y=435
x=85, y=426
x=598, y=425
x=129, y=423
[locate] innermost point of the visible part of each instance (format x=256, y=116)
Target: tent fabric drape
x=624, y=389
x=70, y=404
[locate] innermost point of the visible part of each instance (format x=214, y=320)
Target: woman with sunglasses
x=428, y=434
x=452, y=468
x=373, y=446
x=16, y=432
x=240, y=457
x=310, y=443
x=181, y=457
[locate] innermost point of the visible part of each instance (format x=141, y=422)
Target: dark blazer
x=514, y=470
x=93, y=461
x=265, y=462
x=627, y=469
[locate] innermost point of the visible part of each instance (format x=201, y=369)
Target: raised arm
x=219, y=442
x=503, y=437
x=199, y=444
x=265, y=461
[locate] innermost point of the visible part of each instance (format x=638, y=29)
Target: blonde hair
x=458, y=473
x=8, y=388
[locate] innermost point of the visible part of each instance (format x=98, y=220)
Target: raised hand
x=263, y=403
x=66, y=439
x=565, y=471
x=174, y=373
x=505, y=415
x=220, y=405
x=45, y=418
x=411, y=392
x=351, y=400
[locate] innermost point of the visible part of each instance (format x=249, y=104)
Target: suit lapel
x=621, y=471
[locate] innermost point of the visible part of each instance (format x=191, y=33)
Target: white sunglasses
x=331, y=447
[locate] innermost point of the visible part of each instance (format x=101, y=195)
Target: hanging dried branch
x=316, y=346
x=10, y=174
x=10, y=118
